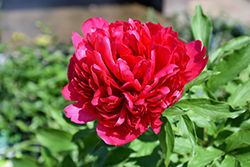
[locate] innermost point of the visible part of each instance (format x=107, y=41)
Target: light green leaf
x=200, y=121
x=142, y=148
x=236, y=43
x=182, y=146
x=166, y=138
x=230, y=67
x=204, y=157
x=201, y=27
x=241, y=95
x=238, y=139
x=24, y=162
x=229, y=161
x=209, y=109
x=200, y=79
x=173, y=111
x=186, y=129
x=233, y=44
x=55, y=140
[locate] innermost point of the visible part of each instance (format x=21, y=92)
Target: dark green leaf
x=209, y=109
x=201, y=27
x=55, y=140
x=229, y=161
x=230, y=67
x=81, y=133
x=49, y=160
x=204, y=157
x=241, y=95
x=117, y=155
x=166, y=138
x=68, y=162
x=243, y=156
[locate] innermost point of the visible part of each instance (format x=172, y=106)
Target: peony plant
x=132, y=77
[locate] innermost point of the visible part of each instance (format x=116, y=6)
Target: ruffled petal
x=197, y=62
x=76, y=39
x=81, y=112
x=93, y=22
x=70, y=93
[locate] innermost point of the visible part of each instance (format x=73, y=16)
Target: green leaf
x=200, y=79
x=49, y=160
x=211, y=110
x=55, y=140
x=182, y=146
x=233, y=44
x=146, y=153
x=166, y=138
x=204, y=157
x=201, y=27
x=236, y=43
x=186, y=129
x=238, y=139
x=117, y=155
x=241, y=95
x=243, y=156
x=229, y=161
x=173, y=111
x=230, y=67
x=68, y=162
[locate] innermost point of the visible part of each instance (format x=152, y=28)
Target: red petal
x=116, y=135
x=70, y=93
x=197, y=61
x=93, y=22
x=81, y=112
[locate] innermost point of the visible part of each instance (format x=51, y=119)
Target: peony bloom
x=126, y=73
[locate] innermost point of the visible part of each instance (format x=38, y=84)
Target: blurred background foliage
x=34, y=131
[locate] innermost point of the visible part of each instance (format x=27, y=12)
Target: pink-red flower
x=126, y=73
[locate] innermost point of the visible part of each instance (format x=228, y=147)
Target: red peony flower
x=126, y=73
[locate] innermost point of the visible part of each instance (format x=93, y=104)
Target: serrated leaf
x=229, y=161
x=186, y=129
x=238, y=139
x=201, y=27
x=205, y=75
x=55, y=140
x=173, y=111
x=211, y=110
x=204, y=157
x=166, y=138
x=241, y=95
x=229, y=67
